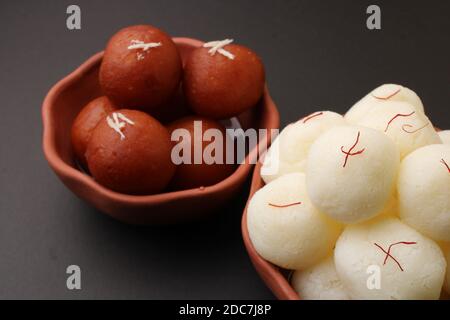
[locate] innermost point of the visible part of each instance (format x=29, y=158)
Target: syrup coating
x=129, y=152
x=85, y=123
x=218, y=87
x=193, y=175
x=141, y=68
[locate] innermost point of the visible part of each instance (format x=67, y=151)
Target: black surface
x=318, y=55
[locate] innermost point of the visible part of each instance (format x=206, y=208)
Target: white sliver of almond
x=138, y=44
x=117, y=122
x=218, y=46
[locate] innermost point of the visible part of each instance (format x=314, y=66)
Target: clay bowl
x=274, y=277
x=60, y=108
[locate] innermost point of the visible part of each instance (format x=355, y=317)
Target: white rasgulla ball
x=319, y=282
x=351, y=173
x=284, y=226
x=408, y=128
x=289, y=151
x=367, y=274
x=382, y=94
x=424, y=191
x=445, y=136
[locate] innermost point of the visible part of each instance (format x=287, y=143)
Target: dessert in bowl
x=99, y=168
x=356, y=206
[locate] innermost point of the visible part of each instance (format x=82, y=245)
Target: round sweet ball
x=85, y=123
x=129, y=152
x=384, y=93
x=319, y=282
x=141, y=67
x=289, y=150
x=176, y=108
x=424, y=191
x=351, y=173
x=445, y=136
x=408, y=128
x=200, y=152
x=388, y=260
x=285, y=228
x=224, y=83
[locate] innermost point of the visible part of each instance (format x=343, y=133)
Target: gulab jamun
x=222, y=80
x=85, y=123
x=194, y=174
x=176, y=108
x=130, y=152
x=141, y=67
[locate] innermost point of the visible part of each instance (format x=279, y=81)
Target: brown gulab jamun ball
x=141, y=67
x=129, y=152
x=223, y=83
x=85, y=123
x=193, y=175
x=175, y=108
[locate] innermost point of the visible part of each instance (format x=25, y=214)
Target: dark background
x=318, y=55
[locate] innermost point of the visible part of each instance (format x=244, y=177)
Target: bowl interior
x=66, y=107
x=84, y=87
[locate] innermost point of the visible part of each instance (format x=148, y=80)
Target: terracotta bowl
x=274, y=277
x=60, y=108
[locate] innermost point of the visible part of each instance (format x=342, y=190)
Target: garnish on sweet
x=381, y=173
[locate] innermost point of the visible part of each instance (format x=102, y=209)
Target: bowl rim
x=269, y=272
x=69, y=172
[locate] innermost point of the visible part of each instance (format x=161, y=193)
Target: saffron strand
x=413, y=131
x=314, y=115
x=349, y=152
x=285, y=205
x=397, y=116
x=446, y=165
x=388, y=252
x=389, y=96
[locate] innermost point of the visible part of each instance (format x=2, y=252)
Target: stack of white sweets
x=358, y=206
